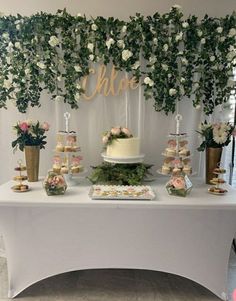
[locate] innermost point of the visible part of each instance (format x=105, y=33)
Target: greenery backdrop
x=173, y=57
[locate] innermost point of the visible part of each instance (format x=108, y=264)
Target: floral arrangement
x=30, y=133
x=177, y=186
x=115, y=133
x=180, y=57
x=215, y=134
x=54, y=184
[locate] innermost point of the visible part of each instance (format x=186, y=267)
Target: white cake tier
x=124, y=147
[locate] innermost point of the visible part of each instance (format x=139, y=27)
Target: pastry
x=20, y=168
x=68, y=148
x=59, y=148
x=187, y=170
x=165, y=169
x=64, y=170
x=170, y=152
x=220, y=170
x=184, y=152
x=20, y=178
x=75, y=169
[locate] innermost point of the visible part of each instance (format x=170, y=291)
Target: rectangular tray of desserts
x=120, y=192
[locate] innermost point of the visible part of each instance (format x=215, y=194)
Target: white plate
x=126, y=160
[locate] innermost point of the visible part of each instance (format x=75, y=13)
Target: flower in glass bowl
x=54, y=184
x=115, y=133
x=179, y=185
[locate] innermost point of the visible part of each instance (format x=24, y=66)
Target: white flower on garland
x=126, y=54
x=18, y=27
x=148, y=81
x=90, y=46
x=27, y=71
x=109, y=43
x=5, y=35
x=41, y=65
x=182, y=79
x=79, y=15
x=121, y=44
x=231, y=54
x=203, y=41
x=155, y=41
x=124, y=29
x=232, y=32
x=78, y=68
x=18, y=45
x=196, y=86
x=181, y=90
x=94, y=27
x=7, y=84
x=136, y=65
x=53, y=41
x=198, y=107
x=184, y=61
x=222, y=39
x=164, y=67
x=177, y=6
x=59, y=78
x=185, y=24
x=219, y=29
x=165, y=47
x=212, y=58
x=179, y=37
x=199, y=33
x=77, y=96
x=78, y=86
x=9, y=48
x=152, y=60
x=91, y=57
x=172, y=92
x=59, y=98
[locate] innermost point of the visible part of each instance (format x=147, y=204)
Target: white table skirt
x=45, y=236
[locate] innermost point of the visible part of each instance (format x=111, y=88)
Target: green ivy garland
x=174, y=58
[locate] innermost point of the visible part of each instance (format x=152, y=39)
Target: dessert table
x=45, y=236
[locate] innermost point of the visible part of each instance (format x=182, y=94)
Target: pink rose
x=178, y=183
x=45, y=126
x=24, y=126
x=126, y=131
x=104, y=139
x=115, y=131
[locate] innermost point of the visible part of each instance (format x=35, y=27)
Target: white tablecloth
x=45, y=236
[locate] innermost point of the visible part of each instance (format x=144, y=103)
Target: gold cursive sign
x=106, y=85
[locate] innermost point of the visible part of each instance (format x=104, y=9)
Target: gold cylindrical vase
x=32, y=162
x=213, y=157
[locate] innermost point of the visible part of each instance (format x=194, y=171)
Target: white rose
x=59, y=78
x=104, y=139
x=182, y=79
x=41, y=65
x=90, y=46
x=164, y=67
x=148, y=81
x=152, y=60
x=79, y=15
x=230, y=56
x=77, y=96
x=126, y=54
x=172, y=92
x=185, y=24
x=212, y=58
x=199, y=33
x=9, y=48
x=121, y=44
x=169, y=75
x=124, y=29
x=179, y=36
x=184, y=61
x=198, y=107
x=165, y=47
x=94, y=27
x=109, y=43
x=176, y=6
x=196, y=86
x=8, y=58
x=136, y=65
x=232, y=32
x=59, y=98
x=18, y=26
x=219, y=29
x=78, y=86
x=155, y=41
x=203, y=41
x=27, y=71
x=7, y=83
x=222, y=39
x=18, y=45
x=91, y=57
x=5, y=35
x=78, y=68
x=53, y=41
x=115, y=131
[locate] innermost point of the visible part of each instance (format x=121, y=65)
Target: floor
x=116, y=285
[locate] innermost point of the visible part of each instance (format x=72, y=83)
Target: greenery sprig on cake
x=115, y=133
x=119, y=174
x=181, y=57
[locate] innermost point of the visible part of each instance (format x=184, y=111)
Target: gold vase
x=213, y=157
x=32, y=162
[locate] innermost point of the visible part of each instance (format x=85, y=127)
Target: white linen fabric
x=92, y=119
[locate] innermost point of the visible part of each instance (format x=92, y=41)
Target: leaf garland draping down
x=172, y=57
